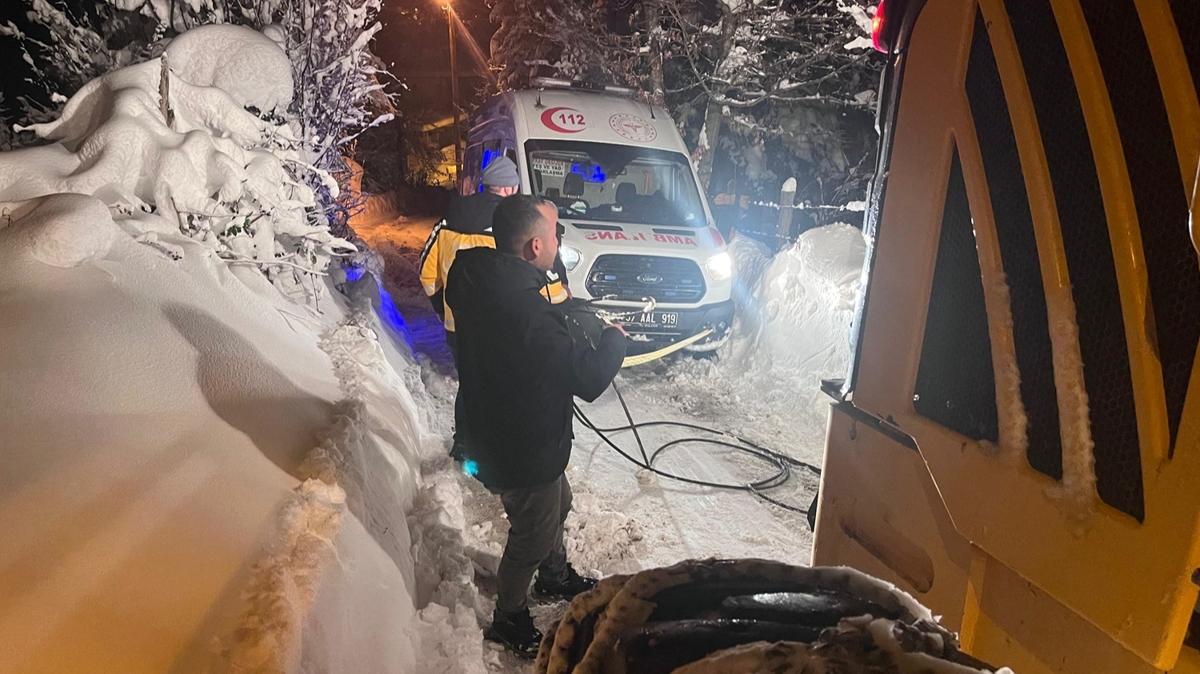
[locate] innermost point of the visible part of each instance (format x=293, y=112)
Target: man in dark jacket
x=468, y=224
x=519, y=369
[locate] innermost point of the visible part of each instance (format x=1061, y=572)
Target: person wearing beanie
x=501, y=174
x=468, y=224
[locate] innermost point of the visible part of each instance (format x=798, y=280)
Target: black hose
x=782, y=462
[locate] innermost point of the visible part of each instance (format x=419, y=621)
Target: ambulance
x=638, y=238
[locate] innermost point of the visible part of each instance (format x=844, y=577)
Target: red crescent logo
x=563, y=120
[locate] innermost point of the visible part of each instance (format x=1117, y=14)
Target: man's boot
x=515, y=631
x=567, y=587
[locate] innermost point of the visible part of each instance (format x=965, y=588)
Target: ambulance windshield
x=615, y=183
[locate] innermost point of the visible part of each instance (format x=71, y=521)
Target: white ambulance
x=637, y=232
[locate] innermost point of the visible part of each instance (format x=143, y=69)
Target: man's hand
x=619, y=328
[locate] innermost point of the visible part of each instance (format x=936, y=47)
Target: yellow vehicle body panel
x=1040, y=572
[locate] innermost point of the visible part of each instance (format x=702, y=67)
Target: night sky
x=413, y=43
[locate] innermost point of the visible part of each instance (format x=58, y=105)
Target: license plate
x=664, y=319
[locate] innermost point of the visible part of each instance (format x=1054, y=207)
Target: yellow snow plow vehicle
x=1017, y=442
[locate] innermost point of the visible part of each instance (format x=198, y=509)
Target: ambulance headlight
x=720, y=266
x=570, y=256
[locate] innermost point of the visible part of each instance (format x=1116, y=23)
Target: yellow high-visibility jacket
x=446, y=240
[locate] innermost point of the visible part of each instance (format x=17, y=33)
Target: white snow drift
x=200, y=474
x=792, y=329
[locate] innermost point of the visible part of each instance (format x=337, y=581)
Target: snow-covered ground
x=216, y=458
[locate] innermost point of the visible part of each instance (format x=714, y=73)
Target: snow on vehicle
x=638, y=237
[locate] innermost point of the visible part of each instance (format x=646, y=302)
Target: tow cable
x=782, y=463
x=609, y=317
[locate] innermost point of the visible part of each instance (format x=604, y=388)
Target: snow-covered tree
x=338, y=84
x=557, y=38
x=63, y=46
x=769, y=71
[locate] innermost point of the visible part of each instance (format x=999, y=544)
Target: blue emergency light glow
x=470, y=467
x=354, y=273
x=488, y=156
x=597, y=175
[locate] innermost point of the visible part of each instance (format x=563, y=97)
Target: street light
x=453, y=87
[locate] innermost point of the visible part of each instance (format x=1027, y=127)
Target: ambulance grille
x=634, y=277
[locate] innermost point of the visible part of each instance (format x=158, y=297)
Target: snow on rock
x=61, y=230
x=246, y=64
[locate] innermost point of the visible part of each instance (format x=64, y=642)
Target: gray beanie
x=501, y=172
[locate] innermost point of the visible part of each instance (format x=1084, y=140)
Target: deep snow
x=208, y=468
x=200, y=473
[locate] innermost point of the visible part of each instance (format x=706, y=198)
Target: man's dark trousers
x=535, y=540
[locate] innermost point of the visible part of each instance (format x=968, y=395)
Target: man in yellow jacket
x=468, y=224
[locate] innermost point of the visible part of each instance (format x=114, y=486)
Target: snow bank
x=793, y=316
x=201, y=474
x=62, y=230
x=452, y=608
x=599, y=539
x=795, y=326
x=244, y=480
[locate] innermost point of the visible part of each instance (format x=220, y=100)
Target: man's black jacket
x=472, y=214
x=519, y=368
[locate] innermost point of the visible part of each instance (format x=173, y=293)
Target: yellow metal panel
x=916, y=192
x=880, y=512
x=1189, y=662
x=973, y=604
x=1123, y=229
x=1074, y=425
x=1174, y=77
x=1024, y=628
x=1105, y=575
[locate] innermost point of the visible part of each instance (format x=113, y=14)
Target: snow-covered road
x=626, y=519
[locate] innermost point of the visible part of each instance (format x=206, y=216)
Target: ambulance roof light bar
x=555, y=83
